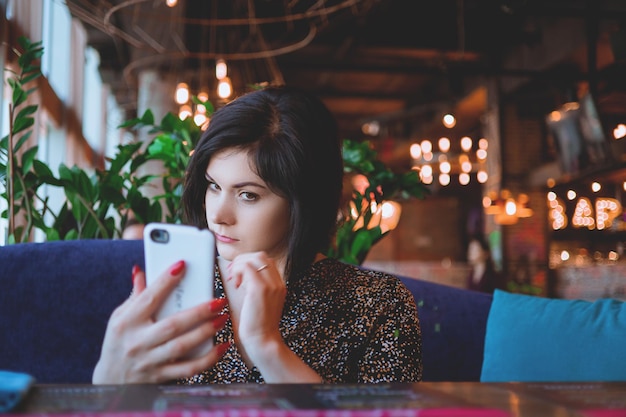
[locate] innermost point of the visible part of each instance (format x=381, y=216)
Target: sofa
x=56, y=299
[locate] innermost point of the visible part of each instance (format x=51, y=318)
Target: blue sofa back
x=56, y=299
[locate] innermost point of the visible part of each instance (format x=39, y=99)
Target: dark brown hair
x=293, y=141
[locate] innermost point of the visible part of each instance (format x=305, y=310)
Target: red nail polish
x=217, y=304
x=135, y=272
x=177, y=268
x=222, y=348
x=219, y=321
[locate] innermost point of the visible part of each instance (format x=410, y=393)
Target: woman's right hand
x=138, y=349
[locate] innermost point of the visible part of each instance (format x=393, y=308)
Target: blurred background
x=511, y=111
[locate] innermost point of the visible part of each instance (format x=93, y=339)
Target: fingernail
x=222, y=348
x=177, y=268
x=135, y=272
x=217, y=305
x=219, y=321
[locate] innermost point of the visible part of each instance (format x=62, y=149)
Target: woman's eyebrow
x=248, y=184
x=239, y=184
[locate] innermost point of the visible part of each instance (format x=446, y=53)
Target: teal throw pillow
x=535, y=339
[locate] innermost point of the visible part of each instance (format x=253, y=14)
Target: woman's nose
x=220, y=210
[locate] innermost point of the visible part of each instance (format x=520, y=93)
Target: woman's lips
x=224, y=239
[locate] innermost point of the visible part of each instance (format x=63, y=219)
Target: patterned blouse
x=349, y=325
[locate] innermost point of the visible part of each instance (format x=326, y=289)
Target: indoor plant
x=98, y=204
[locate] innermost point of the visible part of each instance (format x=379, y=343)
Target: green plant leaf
x=17, y=146
x=44, y=172
x=169, y=123
x=19, y=96
x=52, y=234
x=129, y=123
x=72, y=235
x=26, y=111
x=148, y=118
x=28, y=157
x=22, y=124
x=30, y=77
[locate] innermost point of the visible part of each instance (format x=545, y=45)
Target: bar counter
x=426, y=399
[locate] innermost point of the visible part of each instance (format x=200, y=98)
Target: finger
x=256, y=265
x=181, y=347
x=139, y=281
x=190, y=367
x=153, y=296
x=182, y=322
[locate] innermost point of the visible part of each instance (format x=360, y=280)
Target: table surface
x=425, y=399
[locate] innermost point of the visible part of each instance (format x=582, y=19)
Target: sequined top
x=349, y=325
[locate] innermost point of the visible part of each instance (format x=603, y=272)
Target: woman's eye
x=213, y=186
x=248, y=196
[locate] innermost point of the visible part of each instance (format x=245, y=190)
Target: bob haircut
x=292, y=140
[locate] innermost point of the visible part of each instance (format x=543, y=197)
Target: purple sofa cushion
x=56, y=299
x=453, y=323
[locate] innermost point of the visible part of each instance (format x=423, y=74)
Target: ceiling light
x=371, y=128
x=444, y=144
x=448, y=121
x=466, y=143
x=416, y=151
x=224, y=88
x=619, y=131
x=182, y=93
x=184, y=112
x=506, y=209
x=221, y=69
x=595, y=187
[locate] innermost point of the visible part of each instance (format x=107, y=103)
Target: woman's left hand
x=256, y=291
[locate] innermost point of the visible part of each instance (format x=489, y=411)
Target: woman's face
x=242, y=211
x=475, y=253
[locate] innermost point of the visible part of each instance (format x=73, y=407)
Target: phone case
x=166, y=244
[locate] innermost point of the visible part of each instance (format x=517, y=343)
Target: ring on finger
x=262, y=267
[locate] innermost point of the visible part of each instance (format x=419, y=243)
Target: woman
x=483, y=275
x=266, y=179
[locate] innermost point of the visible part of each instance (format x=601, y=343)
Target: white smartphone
x=166, y=244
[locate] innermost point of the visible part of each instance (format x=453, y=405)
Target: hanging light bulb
x=427, y=146
x=415, y=151
x=184, y=112
x=203, y=96
x=466, y=143
x=182, y=93
x=224, y=88
x=199, y=119
x=448, y=121
x=444, y=144
x=221, y=69
x=171, y=3
x=595, y=186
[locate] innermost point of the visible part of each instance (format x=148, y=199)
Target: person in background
x=133, y=229
x=483, y=275
x=266, y=179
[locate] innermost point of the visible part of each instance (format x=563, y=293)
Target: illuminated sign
x=585, y=215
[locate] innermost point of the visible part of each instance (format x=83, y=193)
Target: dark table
x=426, y=399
